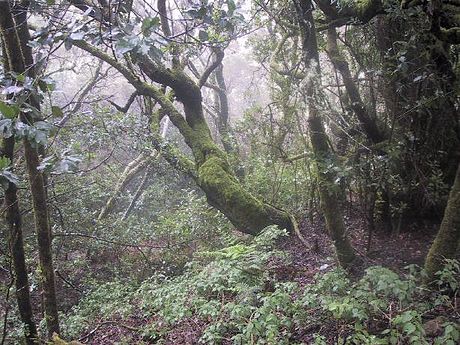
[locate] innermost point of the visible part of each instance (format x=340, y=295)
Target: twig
x=68, y=282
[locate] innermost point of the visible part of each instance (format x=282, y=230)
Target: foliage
x=231, y=292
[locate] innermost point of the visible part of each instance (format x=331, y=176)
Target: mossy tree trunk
x=20, y=60
x=329, y=192
x=214, y=174
x=445, y=245
x=131, y=171
x=14, y=222
x=11, y=211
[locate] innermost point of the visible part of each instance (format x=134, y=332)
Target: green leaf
x=149, y=24
x=409, y=328
x=47, y=84
x=68, y=44
x=56, y=111
x=125, y=45
x=4, y=162
x=231, y=6
x=9, y=111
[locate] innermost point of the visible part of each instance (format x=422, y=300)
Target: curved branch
x=217, y=61
x=128, y=104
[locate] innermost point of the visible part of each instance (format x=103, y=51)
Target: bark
x=445, y=245
x=361, y=11
x=367, y=122
x=19, y=57
x=13, y=219
x=329, y=193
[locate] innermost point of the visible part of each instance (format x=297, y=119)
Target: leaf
x=203, y=36
x=231, y=7
x=149, y=24
x=67, y=44
x=9, y=111
x=56, y=111
x=47, y=84
x=7, y=177
x=409, y=328
x=4, y=162
x=125, y=45
x=77, y=36
x=21, y=129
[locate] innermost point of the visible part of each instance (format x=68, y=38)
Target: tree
x=10, y=209
x=214, y=175
x=20, y=61
x=329, y=193
x=445, y=245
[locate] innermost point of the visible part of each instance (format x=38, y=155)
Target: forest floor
x=394, y=252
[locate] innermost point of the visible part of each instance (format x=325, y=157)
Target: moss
x=367, y=8
x=56, y=340
x=224, y=192
x=446, y=242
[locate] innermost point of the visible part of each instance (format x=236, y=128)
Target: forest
x=230, y=172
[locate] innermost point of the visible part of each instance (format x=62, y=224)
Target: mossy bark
x=223, y=190
x=214, y=174
x=445, y=245
x=43, y=230
x=19, y=57
x=329, y=192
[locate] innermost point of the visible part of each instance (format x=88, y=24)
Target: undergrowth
x=233, y=298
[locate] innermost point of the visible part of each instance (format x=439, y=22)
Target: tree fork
x=213, y=172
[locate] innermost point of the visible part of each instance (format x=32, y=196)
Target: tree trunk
x=329, y=193
x=14, y=222
x=131, y=171
x=367, y=123
x=19, y=57
x=226, y=134
x=445, y=245
x=214, y=174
